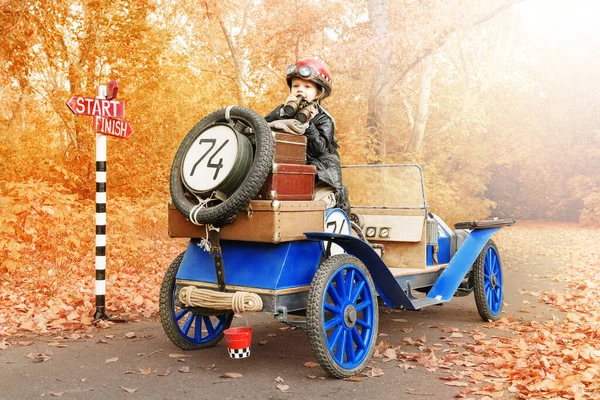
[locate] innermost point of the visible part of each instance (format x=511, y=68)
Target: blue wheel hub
x=348, y=316
x=492, y=280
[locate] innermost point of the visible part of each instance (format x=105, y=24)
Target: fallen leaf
x=262, y=342
x=208, y=367
x=166, y=373
x=283, y=388
x=38, y=357
x=231, y=375
x=110, y=360
x=353, y=379
x=177, y=355
x=130, y=335
x=271, y=335
x=57, y=394
x=477, y=375
x=456, y=335
x=374, y=372
x=456, y=383
x=128, y=390
x=311, y=376
x=390, y=353
x=279, y=379
x=129, y=372
x=311, y=364
x=145, y=371
x=184, y=369
x=399, y=320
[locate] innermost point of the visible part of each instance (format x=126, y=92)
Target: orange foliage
x=48, y=259
x=496, y=141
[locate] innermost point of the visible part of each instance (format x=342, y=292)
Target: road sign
x=112, y=127
x=97, y=107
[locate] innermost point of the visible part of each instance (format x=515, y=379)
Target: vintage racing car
x=256, y=246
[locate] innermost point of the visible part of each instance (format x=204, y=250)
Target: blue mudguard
x=385, y=283
x=445, y=286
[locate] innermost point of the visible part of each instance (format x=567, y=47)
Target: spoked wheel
x=188, y=328
x=221, y=164
x=342, y=316
x=487, y=282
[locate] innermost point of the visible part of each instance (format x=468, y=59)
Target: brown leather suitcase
x=289, y=182
x=268, y=222
x=290, y=149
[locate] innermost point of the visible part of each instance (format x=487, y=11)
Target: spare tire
x=217, y=170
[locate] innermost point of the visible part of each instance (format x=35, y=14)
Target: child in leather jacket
x=311, y=79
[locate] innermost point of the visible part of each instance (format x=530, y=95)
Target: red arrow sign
x=112, y=127
x=97, y=107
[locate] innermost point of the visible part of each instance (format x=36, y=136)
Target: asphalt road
x=78, y=367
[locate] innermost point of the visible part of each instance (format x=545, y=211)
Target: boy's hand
x=291, y=97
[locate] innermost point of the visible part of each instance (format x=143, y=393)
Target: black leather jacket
x=321, y=151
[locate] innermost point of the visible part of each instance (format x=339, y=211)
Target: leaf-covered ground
x=540, y=357
x=47, y=268
x=52, y=291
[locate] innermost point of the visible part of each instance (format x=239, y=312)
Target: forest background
x=496, y=99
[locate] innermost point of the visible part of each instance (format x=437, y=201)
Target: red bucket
x=238, y=342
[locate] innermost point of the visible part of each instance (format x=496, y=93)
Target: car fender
x=458, y=267
x=385, y=283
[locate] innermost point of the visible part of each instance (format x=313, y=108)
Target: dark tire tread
x=477, y=275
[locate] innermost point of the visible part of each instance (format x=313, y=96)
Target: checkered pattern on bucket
x=239, y=353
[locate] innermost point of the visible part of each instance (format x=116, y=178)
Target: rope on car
x=239, y=302
x=201, y=204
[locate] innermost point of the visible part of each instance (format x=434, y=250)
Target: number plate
x=336, y=221
x=210, y=159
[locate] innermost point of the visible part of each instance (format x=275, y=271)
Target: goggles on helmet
x=304, y=71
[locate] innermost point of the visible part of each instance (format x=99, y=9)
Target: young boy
x=311, y=79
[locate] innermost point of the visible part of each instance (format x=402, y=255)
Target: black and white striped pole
x=100, y=313
x=108, y=114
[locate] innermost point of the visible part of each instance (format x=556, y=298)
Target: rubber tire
x=167, y=315
x=261, y=166
x=314, y=316
x=478, y=280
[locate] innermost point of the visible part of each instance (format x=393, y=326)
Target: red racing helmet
x=312, y=70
